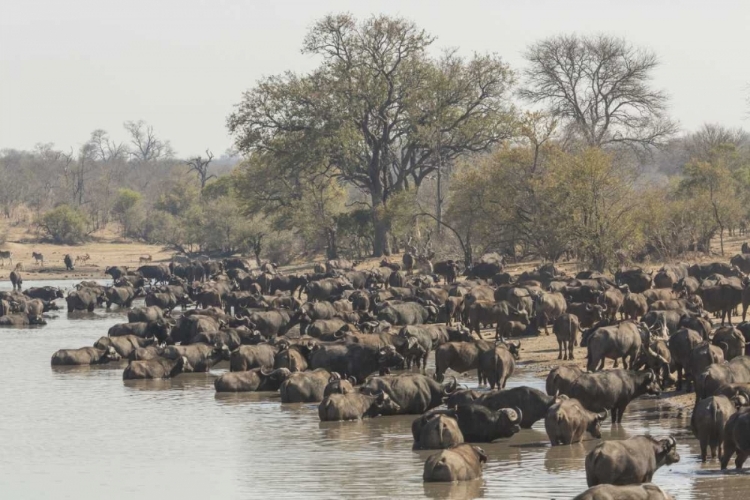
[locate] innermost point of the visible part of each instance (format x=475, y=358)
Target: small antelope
x=82, y=258
x=144, y=258
x=19, y=267
x=38, y=258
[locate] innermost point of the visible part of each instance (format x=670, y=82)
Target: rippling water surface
x=83, y=433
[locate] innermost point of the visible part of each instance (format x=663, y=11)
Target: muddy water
x=83, y=433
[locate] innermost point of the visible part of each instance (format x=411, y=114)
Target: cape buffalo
x=85, y=356
x=566, y=329
x=156, y=368
x=497, y=365
x=412, y=392
x=459, y=463
x=252, y=380
x=355, y=406
x=708, y=421
x=435, y=431
x=305, y=387
x=630, y=492
x=736, y=439
x=567, y=420
x=560, y=379
x=533, y=403
x=631, y=461
x=612, y=390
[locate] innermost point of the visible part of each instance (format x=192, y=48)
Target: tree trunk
x=332, y=251
x=381, y=244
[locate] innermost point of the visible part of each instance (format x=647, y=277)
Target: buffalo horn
x=602, y=416
x=519, y=415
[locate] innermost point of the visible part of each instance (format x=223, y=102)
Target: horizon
x=83, y=72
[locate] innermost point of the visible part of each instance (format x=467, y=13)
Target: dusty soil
x=106, y=249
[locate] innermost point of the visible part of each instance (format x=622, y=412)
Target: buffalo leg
x=570, y=349
x=704, y=448
x=620, y=412
x=560, y=349
x=741, y=457
x=729, y=449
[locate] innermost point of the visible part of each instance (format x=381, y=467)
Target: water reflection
x=465, y=489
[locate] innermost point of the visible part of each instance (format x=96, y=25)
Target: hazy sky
x=68, y=67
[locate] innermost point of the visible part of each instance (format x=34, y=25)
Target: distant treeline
x=388, y=144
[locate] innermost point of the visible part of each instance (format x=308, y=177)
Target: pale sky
x=68, y=67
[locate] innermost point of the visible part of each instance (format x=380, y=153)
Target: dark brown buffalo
x=621, y=341
x=730, y=340
x=560, y=379
x=459, y=357
x=632, y=461
x=355, y=360
x=736, y=439
x=566, y=329
x=498, y=364
x=412, y=392
x=681, y=345
x=708, y=421
x=612, y=390
x=737, y=371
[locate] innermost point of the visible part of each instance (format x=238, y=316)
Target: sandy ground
x=539, y=356
x=107, y=249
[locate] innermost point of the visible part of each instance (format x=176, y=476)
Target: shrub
x=64, y=225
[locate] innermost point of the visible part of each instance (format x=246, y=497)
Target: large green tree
x=379, y=113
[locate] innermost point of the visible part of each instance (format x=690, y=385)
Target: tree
x=599, y=87
x=146, y=145
x=712, y=185
x=64, y=225
x=200, y=167
x=105, y=148
x=370, y=112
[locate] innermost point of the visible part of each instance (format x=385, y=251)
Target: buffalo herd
x=333, y=336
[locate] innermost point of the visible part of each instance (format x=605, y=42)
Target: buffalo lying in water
x=305, y=387
x=567, y=420
x=355, y=406
x=253, y=380
x=156, y=368
x=85, y=356
x=460, y=463
x=436, y=431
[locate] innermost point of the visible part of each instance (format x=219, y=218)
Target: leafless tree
x=105, y=148
x=599, y=87
x=146, y=146
x=200, y=166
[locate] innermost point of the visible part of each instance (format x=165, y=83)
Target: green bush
x=64, y=225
